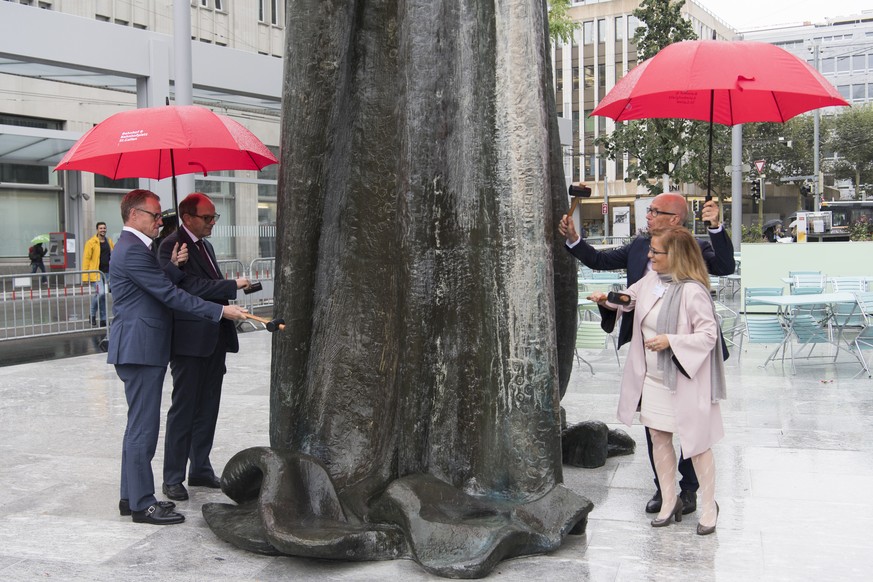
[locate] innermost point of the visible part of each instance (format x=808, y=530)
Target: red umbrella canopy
x=159, y=142
x=747, y=81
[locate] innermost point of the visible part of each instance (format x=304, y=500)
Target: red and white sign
x=604, y=209
x=759, y=164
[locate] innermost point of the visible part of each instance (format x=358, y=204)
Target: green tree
x=561, y=26
x=787, y=148
x=850, y=139
x=658, y=147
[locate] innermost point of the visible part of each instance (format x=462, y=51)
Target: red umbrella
x=163, y=142
x=721, y=82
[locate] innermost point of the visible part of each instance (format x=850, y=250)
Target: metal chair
x=750, y=293
x=851, y=284
x=589, y=336
x=766, y=329
x=864, y=339
x=732, y=325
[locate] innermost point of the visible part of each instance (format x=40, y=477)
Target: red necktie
x=199, y=244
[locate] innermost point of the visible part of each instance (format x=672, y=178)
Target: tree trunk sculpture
x=430, y=321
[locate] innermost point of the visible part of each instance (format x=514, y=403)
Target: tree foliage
x=561, y=26
x=849, y=136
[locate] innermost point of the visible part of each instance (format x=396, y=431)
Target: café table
x=790, y=307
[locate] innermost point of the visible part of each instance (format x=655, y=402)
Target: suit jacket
x=193, y=336
x=142, y=297
x=698, y=420
x=718, y=254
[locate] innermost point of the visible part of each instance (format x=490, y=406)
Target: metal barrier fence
x=30, y=308
x=40, y=304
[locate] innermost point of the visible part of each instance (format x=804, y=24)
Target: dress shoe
x=124, y=506
x=705, y=530
x=93, y=320
x=654, y=504
x=212, y=482
x=175, y=492
x=157, y=515
x=689, y=502
x=676, y=513
x=102, y=323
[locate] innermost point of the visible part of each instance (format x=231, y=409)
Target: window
x=827, y=65
x=619, y=27
x=842, y=64
x=601, y=30
x=204, y=3
x=601, y=75
x=633, y=23
x=274, y=12
x=858, y=92
x=261, y=10
x=844, y=91
x=218, y=6
x=588, y=32
x=859, y=63
x=589, y=75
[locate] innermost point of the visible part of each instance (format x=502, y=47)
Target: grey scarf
x=668, y=323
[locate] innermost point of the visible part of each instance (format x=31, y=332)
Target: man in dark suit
x=665, y=210
x=139, y=346
x=198, y=352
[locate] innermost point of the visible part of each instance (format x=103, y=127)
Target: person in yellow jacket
x=96, y=258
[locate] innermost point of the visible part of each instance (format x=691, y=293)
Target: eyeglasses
x=656, y=212
x=653, y=251
x=208, y=217
x=156, y=216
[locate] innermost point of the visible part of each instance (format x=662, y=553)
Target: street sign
x=759, y=164
x=604, y=209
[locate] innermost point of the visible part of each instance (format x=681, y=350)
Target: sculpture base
x=287, y=504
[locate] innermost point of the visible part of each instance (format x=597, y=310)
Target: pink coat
x=698, y=420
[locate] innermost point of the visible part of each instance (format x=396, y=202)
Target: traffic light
x=756, y=190
x=805, y=189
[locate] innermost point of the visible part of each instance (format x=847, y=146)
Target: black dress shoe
x=654, y=504
x=175, y=492
x=157, y=515
x=689, y=502
x=212, y=482
x=124, y=506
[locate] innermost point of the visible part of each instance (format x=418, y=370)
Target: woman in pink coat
x=675, y=372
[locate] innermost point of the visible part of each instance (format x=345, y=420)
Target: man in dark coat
x=198, y=352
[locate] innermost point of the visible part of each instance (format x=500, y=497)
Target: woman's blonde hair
x=686, y=260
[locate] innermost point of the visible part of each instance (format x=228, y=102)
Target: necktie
x=203, y=252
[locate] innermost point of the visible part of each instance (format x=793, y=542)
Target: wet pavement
x=794, y=476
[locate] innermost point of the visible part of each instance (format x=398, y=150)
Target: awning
x=35, y=146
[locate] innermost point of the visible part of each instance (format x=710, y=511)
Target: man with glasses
x=666, y=209
x=198, y=354
x=139, y=346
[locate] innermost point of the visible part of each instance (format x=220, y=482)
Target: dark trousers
x=193, y=414
x=142, y=388
x=688, y=482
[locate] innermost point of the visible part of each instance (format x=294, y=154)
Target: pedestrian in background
x=36, y=254
x=98, y=250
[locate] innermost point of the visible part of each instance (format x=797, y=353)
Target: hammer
x=577, y=192
x=272, y=324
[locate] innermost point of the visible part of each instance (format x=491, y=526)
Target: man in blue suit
x=198, y=352
x=139, y=346
x=665, y=210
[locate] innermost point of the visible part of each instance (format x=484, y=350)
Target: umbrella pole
x=175, y=196
x=709, y=164
x=709, y=159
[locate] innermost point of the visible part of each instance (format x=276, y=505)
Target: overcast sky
x=745, y=14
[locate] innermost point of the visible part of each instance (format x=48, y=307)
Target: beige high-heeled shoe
x=705, y=530
x=676, y=513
